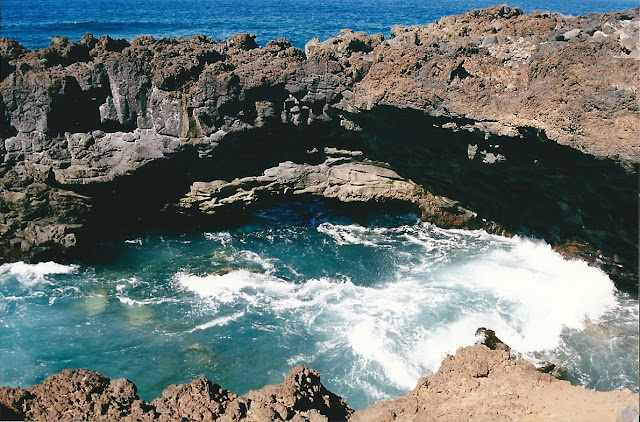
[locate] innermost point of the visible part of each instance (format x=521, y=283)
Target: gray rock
x=571, y=34
x=340, y=177
x=489, y=40
x=83, y=116
x=628, y=41
x=627, y=414
x=599, y=36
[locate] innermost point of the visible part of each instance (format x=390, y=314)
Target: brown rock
x=85, y=395
x=301, y=397
x=200, y=400
x=483, y=384
x=103, y=116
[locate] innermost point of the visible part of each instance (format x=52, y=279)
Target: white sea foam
x=222, y=237
x=218, y=322
x=150, y=301
x=250, y=256
x=239, y=284
x=402, y=329
x=547, y=292
x=352, y=234
x=137, y=241
x=31, y=274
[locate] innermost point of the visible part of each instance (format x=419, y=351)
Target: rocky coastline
x=513, y=123
x=484, y=382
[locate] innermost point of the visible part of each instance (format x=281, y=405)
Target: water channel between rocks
x=372, y=304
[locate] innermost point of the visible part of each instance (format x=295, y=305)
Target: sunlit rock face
x=493, y=119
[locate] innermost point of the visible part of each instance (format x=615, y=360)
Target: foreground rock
x=87, y=395
x=482, y=384
x=521, y=120
x=476, y=383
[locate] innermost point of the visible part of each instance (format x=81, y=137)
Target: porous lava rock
x=529, y=122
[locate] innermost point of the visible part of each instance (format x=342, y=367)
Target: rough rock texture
x=76, y=395
x=341, y=177
x=476, y=383
x=522, y=120
x=81, y=395
x=508, y=70
x=301, y=397
x=200, y=400
x=482, y=384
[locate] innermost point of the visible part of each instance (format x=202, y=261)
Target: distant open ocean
x=34, y=22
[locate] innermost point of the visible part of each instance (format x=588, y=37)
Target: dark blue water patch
x=34, y=22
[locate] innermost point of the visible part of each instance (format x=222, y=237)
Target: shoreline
x=494, y=107
x=481, y=381
x=512, y=123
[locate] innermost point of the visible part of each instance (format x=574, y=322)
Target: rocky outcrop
x=199, y=400
x=301, y=397
x=87, y=395
x=483, y=384
x=521, y=120
x=75, y=395
x=476, y=383
x=341, y=176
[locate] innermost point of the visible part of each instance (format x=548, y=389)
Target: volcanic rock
x=483, y=384
x=475, y=383
x=494, y=109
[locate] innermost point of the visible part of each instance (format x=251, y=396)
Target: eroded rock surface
x=76, y=395
x=87, y=395
x=341, y=177
x=475, y=383
x=529, y=123
x=489, y=385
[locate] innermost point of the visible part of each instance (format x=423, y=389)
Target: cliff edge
x=514, y=123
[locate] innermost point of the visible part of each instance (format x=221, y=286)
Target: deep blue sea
x=372, y=305
x=34, y=22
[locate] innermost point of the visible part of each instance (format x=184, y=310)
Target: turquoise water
x=34, y=22
x=372, y=303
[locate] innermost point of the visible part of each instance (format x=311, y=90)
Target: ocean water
x=372, y=303
x=34, y=22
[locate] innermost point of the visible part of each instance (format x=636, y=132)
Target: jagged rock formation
x=509, y=122
x=87, y=395
x=489, y=385
x=75, y=395
x=476, y=383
